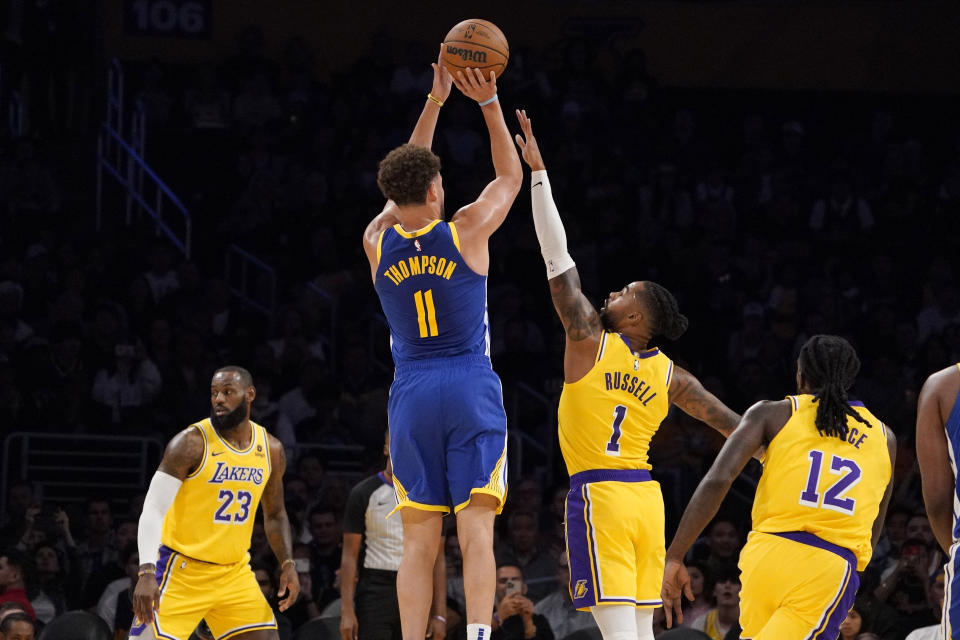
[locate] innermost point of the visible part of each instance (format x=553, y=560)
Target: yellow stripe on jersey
x=211, y=518
x=608, y=417
x=206, y=446
x=419, y=232
x=454, y=235
x=380, y=245
x=821, y=484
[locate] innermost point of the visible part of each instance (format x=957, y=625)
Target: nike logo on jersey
x=538, y=184
x=216, y=453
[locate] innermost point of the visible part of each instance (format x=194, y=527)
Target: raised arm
x=939, y=484
x=580, y=319
x=276, y=525
x=183, y=455
x=477, y=221
x=749, y=436
x=422, y=135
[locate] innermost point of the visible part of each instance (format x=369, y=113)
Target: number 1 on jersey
x=613, y=446
x=426, y=313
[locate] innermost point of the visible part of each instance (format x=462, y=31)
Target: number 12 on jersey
x=426, y=313
x=850, y=475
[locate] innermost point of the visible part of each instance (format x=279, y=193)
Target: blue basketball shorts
x=448, y=433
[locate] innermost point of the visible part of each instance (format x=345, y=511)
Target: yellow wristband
x=290, y=560
x=146, y=572
x=434, y=99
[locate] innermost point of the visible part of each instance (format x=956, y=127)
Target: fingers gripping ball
x=478, y=44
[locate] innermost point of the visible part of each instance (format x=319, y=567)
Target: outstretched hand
x=529, y=149
x=442, y=80
x=473, y=85
x=676, y=583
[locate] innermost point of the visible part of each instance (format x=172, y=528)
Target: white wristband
x=549, y=227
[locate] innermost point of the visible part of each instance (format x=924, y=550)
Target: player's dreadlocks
x=829, y=364
x=667, y=319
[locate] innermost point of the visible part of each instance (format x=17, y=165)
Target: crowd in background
x=771, y=217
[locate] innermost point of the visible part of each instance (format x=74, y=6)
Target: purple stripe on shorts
x=163, y=561
x=814, y=541
x=577, y=480
x=582, y=587
x=841, y=606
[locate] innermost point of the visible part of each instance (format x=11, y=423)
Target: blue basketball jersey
x=436, y=306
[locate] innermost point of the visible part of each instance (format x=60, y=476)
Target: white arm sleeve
x=163, y=489
x=549, y=227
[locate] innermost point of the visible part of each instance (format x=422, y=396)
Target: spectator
x=558, y=609
x=116, y=604
x=99, y=561
x=513, y=617
x=305, y=608
x=53, y=579
x=325, y=553
x=851, y=625
x=13, y=588
x=906, y=585
x=701, y=599
x=726, y=593
x=525, y=551
x=127, y=387
x=17, y=626
x=268, y=586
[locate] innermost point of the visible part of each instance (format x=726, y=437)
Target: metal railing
x=524, y=395
x=117, y=158
x=251, y=279
x=331, y=302
x=66, y=467
x=142, y=188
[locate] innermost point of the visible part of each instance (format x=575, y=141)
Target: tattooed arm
x=581, y=322
x=687, y=393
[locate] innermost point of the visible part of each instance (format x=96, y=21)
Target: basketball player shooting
x=448, y=428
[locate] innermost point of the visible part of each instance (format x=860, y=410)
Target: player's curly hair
x=830, y=365
x=406, y=172
x=667, y=320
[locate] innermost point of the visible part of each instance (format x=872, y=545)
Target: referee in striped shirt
x=369, y=609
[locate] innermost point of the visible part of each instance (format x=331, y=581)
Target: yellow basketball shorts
x=795, y=585
x=226, y=596
x=615, y=539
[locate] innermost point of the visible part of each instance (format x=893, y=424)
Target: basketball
x=477, y=44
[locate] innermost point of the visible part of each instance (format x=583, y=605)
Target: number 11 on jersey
x=426, y=313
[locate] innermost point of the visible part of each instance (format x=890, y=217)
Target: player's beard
x=229, y=420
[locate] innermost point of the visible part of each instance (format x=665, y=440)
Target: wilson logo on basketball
x=467, y=55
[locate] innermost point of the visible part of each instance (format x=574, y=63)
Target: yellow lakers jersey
x=823, y=485
x=212, y=516
x=608, y=417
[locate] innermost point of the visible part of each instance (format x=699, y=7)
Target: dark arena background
x=184, y=184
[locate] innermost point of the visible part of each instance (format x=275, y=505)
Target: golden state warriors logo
x=580, y=590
